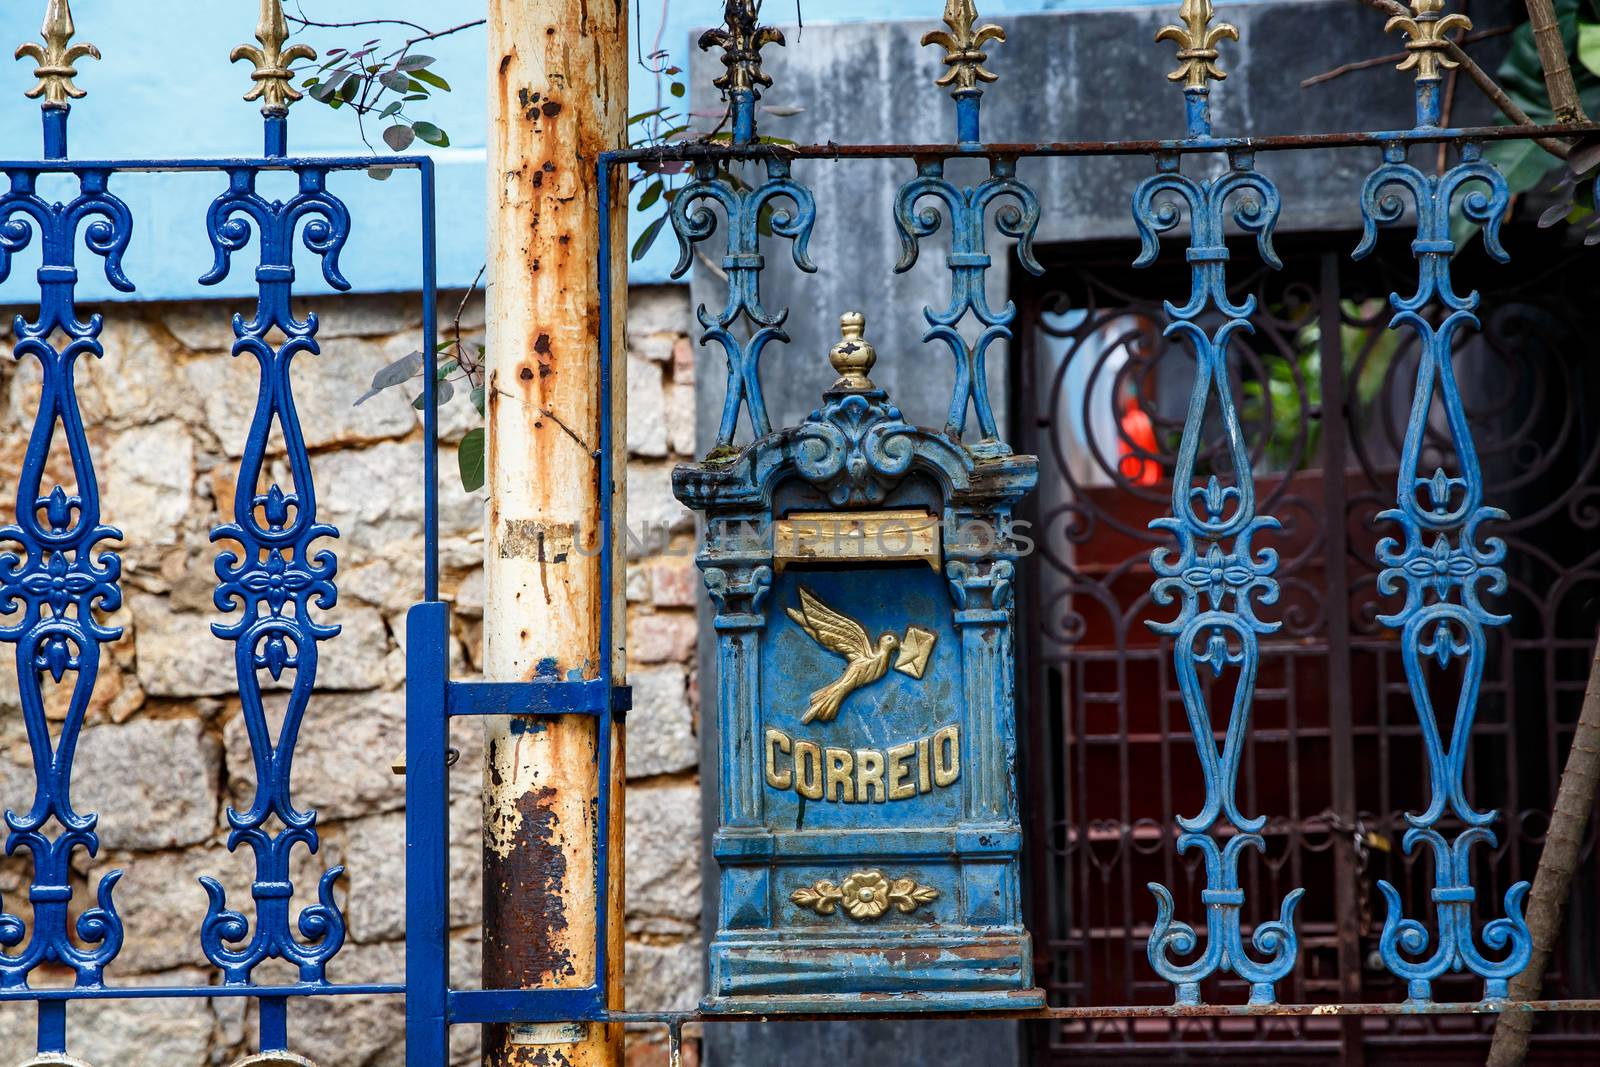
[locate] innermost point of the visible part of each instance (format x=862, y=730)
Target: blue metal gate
x=272, y=590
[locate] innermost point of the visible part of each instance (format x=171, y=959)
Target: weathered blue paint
x=969, y=268
x=1443, y=579
x=1216, y=576
x=942, y=819
x=743, y=262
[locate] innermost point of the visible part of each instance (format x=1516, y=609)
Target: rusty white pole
x=557, y=99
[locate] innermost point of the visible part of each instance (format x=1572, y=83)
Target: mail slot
x=868, y=842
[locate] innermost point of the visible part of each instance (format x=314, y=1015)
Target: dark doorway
x=1334, y=759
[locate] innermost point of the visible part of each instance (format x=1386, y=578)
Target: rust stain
x=524, y=898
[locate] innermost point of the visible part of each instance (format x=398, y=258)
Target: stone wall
x=164, y=751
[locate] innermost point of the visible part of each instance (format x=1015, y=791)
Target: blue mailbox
x=869, y=842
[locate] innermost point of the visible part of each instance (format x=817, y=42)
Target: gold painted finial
x=741, y=42
x=1197, y=42
x=1426, y=29
x=55, y=58
x=963, y=46
x=853, y=356
x=272, y=75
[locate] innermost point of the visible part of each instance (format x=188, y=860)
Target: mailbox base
x=877, y=1003
x=764, y=972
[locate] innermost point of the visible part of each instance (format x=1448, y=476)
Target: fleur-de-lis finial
x=55, y=58
x=963, y=46
x=1197, y=42
x=272, y=75
x=1426, y=29
x=741, y=42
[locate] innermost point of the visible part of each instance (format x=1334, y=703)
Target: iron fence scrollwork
x=276, y=581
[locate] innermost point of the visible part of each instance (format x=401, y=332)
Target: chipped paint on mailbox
x=868, y=836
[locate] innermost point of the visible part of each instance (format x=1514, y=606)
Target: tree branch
x=1552, y=883
x=1484, y=82
x=1395, y=57
x=425, y=33
x=1558, y=79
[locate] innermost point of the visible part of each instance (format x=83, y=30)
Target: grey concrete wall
x=1063, y=76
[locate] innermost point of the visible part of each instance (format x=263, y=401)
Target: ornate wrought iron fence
x=1220, y=587
x=60, y=580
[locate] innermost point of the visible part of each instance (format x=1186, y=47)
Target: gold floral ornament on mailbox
x=1197, y=42
x=1425, y=29
x=272, y=61
x=963, y=46
x=55, y=58
x=865, y=896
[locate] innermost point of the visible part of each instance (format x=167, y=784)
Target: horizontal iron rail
x=1137, y=1011
x=535, y=698
x=162, y=166
x=1279, y=143
x=473, y=1006
x=202, y=992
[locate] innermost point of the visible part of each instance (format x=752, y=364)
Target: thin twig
x=1395, y=57
x=1449, y=104
x=1483, y=81
x=301, y=20
x=470, y=367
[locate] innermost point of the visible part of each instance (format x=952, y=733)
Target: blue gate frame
x=270, y=593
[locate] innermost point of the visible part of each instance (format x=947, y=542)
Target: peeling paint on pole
x=558, y=97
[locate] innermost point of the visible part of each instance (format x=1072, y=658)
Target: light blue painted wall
x=166, y=89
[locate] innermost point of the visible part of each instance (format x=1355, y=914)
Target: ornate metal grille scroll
x=59, y=587
x=1443, y=578
x=1217, y=578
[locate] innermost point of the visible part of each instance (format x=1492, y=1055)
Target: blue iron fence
x=279, y=580
x=62, y=580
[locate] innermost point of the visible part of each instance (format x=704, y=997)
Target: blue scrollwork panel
x=62, y=581
x=1218, y=578
x=276, y=579
x=1016, y=216
x=743, y=206
x=1442, y=563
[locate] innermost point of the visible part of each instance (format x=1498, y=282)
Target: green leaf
x=642, y=246
x=478, y=399
x=415, y=63
x=444, y=392
x=652, y=193
x=470, y=458
x=1589, y=47
x=392, y=109
x=432, y=134
x=431, y=78
x=399, y=137
x=677, y=89
x=1524, y=163
x=395, y=80
x=380, y=174
x=401, y=370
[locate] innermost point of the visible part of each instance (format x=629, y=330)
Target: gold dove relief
x=865, y=663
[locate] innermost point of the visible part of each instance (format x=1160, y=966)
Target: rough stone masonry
x=164, y=752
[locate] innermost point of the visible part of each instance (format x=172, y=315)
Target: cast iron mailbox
x=861, y=569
